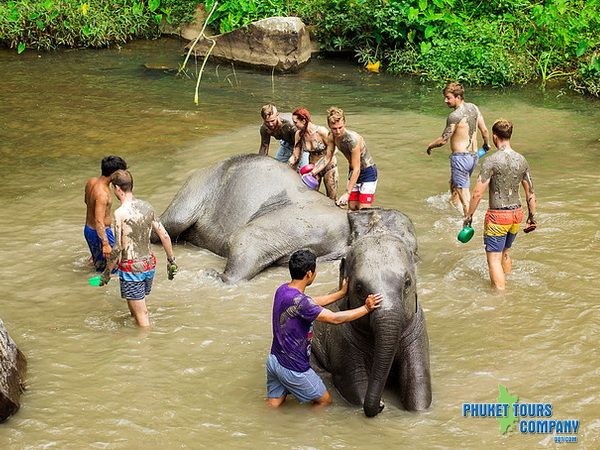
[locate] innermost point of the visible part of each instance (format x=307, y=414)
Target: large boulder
x=280, y=43
x=13, y=367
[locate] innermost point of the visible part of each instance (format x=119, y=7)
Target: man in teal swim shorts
x=134, y=221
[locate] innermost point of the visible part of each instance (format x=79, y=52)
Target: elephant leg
x=414, y=374
x=350, y=373
x=259, y=245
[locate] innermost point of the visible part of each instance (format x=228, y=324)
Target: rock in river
x=280, y=43
x=12, y=375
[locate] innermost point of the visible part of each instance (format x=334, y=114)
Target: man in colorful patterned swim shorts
x=134, y=222
x=461, y=130
x=503, y=172
x=288, y=365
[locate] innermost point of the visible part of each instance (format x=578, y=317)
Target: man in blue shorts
x=288, y=366
x=281, y=128
x=98, y=200
x=461, y=130
x=134, y=221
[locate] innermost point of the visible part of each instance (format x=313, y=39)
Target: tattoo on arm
x=447, y=133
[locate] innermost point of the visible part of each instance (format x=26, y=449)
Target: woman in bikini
x=315, y=140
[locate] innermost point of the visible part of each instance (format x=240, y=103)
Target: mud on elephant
x=390, y=346
x=255, y=212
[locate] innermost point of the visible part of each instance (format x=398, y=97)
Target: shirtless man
x=502, y=172
x=134, y=221
x=317, y=142
x=362, y=178
x=98, y=199
x=280, y=128
x=461, y=129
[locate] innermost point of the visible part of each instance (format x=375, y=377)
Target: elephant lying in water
x=255, y=212
x=390, y=346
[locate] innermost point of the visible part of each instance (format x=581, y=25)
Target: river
x=196, y=379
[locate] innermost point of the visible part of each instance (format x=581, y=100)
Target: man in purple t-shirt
x=288, y=366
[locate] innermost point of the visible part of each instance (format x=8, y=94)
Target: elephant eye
x=407, y=285
x=358, y=288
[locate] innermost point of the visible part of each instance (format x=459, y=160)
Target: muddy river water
x=196, y=379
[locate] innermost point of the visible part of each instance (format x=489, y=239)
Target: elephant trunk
x=386, y=332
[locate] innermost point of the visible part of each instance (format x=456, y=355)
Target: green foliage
x=496, y=43
x=47, y=24
x=230, y=15
x=477, y=42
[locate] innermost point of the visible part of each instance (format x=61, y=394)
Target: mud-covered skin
x=286, y=132
x=466, y=113
x=390, y=346
x=255, y=212
x=505, y=169
x=316, y=149
x=348, y=142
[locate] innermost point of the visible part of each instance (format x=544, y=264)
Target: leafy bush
x=47, y=24
x=495, y=43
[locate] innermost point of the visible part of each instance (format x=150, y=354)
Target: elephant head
x=381, y=259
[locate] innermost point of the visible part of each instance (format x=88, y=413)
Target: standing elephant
x=390, y=346
x=255, y=211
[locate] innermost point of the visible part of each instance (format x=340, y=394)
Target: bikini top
x=319, y=146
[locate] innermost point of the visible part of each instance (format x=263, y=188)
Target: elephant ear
x=380, y=221
x=342, y=271
x=344, y=267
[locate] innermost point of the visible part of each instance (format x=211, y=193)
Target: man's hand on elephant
x=373, y=301
x=344, y=288
x=343, y=200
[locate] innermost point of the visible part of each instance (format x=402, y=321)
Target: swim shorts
x=305, y=386
x=364, y=188
x=95, y=244
x=500, y=228
x=135, y=277
x=461, y=168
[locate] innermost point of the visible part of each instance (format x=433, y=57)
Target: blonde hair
x=268, y=110
x=334, y=115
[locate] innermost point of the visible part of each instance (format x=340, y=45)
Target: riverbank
x=497, y=44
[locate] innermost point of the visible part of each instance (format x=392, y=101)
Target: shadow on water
x=197, y=378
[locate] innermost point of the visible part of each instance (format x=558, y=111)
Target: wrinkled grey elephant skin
x=390, y=346
x=13, y=367
x=255, y=211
